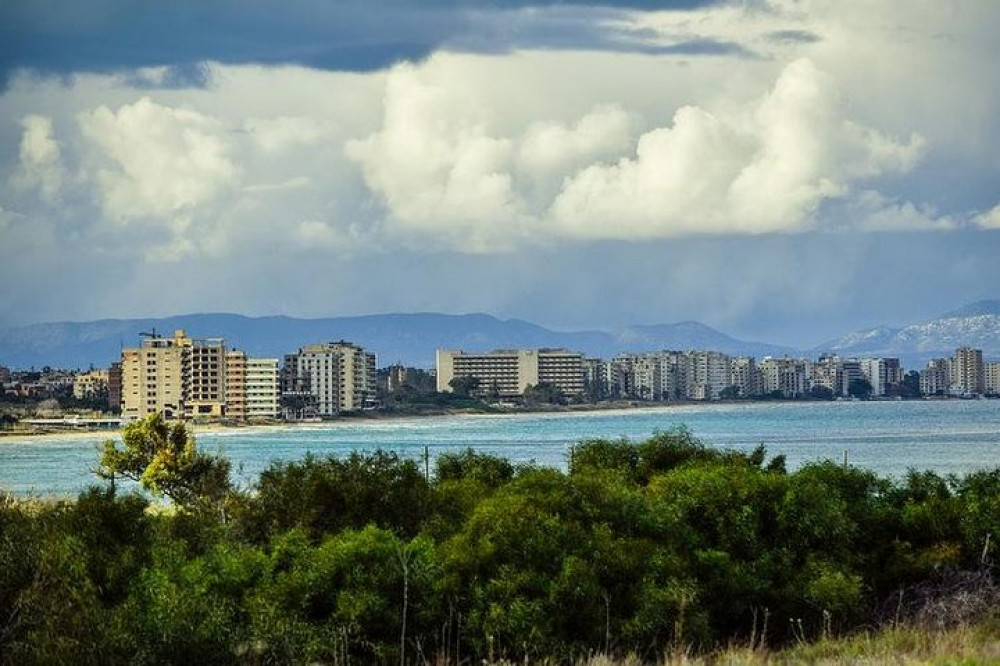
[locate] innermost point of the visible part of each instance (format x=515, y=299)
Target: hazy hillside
x=406, y=338
x=974, y=325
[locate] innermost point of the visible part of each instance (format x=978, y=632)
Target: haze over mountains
x=411, y=339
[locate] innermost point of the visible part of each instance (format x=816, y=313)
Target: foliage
x=665, y=546
x=165, y=460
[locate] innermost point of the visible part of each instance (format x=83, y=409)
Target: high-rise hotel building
x=508, y=373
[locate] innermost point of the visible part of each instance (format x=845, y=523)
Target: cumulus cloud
x=764, y=167
x=990, y=219
x=41, y=158
x=275, y=135
x=436, y=164
x=872, y=211
x=160, y=162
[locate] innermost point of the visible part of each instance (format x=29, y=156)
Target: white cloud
x=759, y=168
x=160, y=162
x=41, y=158
x=871, y=211
x=990, y=219
x=436, y=164
x=275, y=135
x=552, y=147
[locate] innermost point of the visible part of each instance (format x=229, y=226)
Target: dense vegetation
x=638, y=549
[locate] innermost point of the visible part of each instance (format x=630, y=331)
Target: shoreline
x=610, y=408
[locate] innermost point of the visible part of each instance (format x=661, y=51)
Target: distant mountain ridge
x=412, y=338
x=406, y=338
x=974, y=325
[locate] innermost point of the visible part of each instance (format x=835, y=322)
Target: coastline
x=210, y=428
x=56, y=434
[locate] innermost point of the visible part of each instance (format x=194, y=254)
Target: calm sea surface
x=887, y=437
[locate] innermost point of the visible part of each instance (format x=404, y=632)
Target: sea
x=889, y=438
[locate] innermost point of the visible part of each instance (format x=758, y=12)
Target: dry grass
x=959, y=646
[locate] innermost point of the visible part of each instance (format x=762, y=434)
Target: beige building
x=90, y=384
x=968, y=373
x=205, y=390
x=934, y=379
x=787, y=376
x=178, y=377
x=153, y=377
x=337, y=377
x=993, y=378
x=508, y=373
x=236, y=385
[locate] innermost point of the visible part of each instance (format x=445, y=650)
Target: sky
x=783, y=170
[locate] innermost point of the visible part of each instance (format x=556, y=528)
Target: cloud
x=41, y=158
x=436, y=165
x=522, y=144
x=990, y=219
x=762, y=168
x=871, y=211
x=159, y=162
x=164, y=45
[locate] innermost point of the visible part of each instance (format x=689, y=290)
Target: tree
x=165, y=460
x=464, y=386
x=731, y=392
x=820, y=392
x=544, y=393
x=860, y=388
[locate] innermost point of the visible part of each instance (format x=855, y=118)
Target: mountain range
x=974, y=325
x=412, y=338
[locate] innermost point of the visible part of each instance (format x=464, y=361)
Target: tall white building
x=337, y=376
x=881, y=373
x=262, y=390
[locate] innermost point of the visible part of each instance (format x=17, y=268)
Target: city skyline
x=780, y=171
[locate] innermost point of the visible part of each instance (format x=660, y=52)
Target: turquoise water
x=886, y=437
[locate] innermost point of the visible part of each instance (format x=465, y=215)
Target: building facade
x=968, y=373
x=154, y=377
x=90, y=384
x=993, y=378
x=508, y=373
x=263, y=392
x=332, y=377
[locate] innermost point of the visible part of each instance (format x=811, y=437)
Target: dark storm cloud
x=54, y=37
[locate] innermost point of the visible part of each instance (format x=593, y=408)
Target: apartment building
x=90, y=384
x=882, y=373
x=332, y=377
x=262, y=389
x=745, y=376
x=787, y=376
x=236, y=385
x=706, y=374
x=508, y=373
x=968, y=373
x=115, y=388
x=154, y=377
x=993, y=378
x=178, y=377
x=935, y=378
